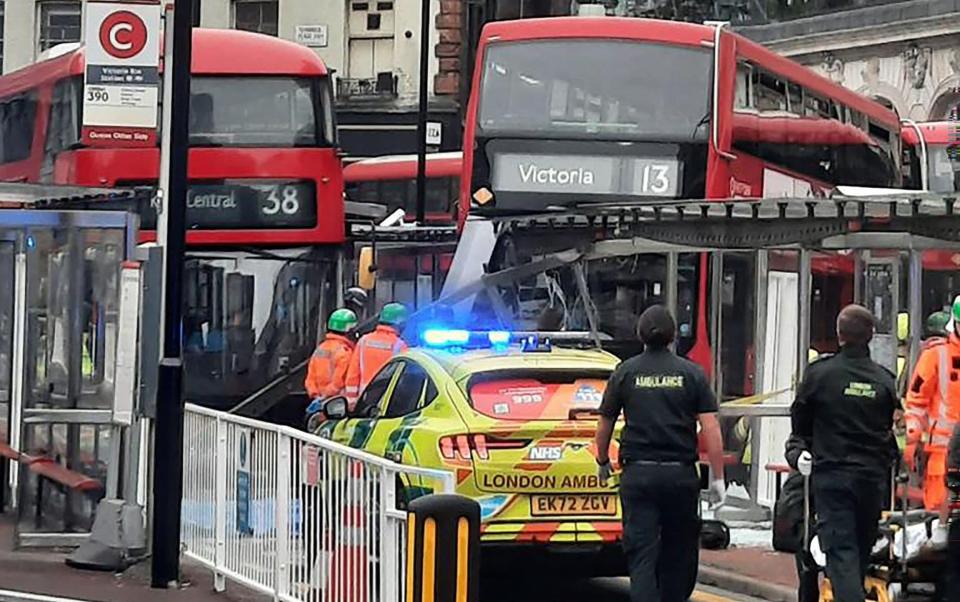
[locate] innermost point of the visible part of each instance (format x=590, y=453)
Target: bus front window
x=260, y=111
x=943, y=165
x=249, y=318
x=663, y=94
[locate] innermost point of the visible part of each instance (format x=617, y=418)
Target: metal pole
x=166, y=121
x=804, y=293
x=716, y=310
x=168, y=443
x=915, y=307
x=670, y=295
x=761, y=285
x=422, y=113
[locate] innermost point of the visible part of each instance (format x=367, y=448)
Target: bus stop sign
x=122, y=85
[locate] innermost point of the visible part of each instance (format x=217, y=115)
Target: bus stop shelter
x=799, y=250
x=68, y=358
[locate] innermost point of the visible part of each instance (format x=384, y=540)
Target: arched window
x=885, y=102
x=946, y=107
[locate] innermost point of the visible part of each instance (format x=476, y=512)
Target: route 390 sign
x=122, y=83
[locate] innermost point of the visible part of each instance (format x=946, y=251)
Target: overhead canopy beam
x=757, y=224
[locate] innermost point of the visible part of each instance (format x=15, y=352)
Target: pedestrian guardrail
x=293, y=515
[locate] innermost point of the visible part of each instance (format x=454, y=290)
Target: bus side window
x=795, y=99
x=744, y=90
x=17, y=124
x=63, y=125
x=911, y=168
x=771, y=93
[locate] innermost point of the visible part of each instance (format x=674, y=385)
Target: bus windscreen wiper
x=703, y=121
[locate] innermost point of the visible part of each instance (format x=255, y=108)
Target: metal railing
x=293, y=515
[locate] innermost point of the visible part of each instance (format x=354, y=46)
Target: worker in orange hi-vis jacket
x=375, y=349
x=327, y=371
x=932, y=410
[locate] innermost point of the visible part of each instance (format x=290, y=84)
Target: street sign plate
x=434, y=133
x=314, y=36
x=242, y=459
x=122, y=79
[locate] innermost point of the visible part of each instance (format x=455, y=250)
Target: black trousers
x=952, y=577
x=809, y=577
x=848, y=510
x=661, y=530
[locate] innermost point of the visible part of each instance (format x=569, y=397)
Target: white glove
x=603, y=472
x=805, y=463
x=717, y=492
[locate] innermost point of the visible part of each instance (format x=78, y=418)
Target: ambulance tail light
x=469, y=446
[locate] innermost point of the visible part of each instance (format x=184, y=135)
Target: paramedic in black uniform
x=662, y=397
x=843, y=419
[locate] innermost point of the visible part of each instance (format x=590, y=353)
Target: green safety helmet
x=937, y=323
x=955, y=310
x=393, y=314
x=342, y=320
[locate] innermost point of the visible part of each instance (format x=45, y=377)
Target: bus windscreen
x=258, y=111
x=627, y=90
x=943, y=165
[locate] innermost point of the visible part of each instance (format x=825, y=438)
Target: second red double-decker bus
x=265, y=201
x=932, y=153
x=392, y=181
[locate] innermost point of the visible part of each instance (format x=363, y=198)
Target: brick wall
x=447, y=80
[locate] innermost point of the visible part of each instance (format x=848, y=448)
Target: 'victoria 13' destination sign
x=586, y=174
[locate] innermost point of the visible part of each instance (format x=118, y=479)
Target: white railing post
x=220, y=506
x=389, y=574
x=282, y=519
x=351, y=553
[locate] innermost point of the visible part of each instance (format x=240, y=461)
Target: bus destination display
x=586, y=174
x=233, y=205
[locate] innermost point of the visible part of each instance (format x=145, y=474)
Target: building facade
x=906, y=54
x=373, y=46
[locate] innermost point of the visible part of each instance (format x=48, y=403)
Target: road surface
x=545, y=589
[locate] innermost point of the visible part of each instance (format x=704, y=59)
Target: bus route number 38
x=282, y=200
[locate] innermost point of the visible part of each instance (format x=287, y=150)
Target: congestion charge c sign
x=123, y=34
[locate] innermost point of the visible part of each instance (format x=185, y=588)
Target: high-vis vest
x=373, y=350
x=932, y=410
x=328, y=367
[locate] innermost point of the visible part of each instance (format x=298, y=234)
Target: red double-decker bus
x=392, y=181
x=932, y=153
x=642, y=110
x=265, y=213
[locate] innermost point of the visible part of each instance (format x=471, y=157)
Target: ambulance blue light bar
x=455, y=338
x=498, y=337
x=436, y=337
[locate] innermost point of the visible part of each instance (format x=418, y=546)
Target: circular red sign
x=123, y=34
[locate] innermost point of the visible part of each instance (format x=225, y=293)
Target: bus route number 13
x=282, y=199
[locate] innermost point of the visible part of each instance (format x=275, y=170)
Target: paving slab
x=46, y=573
x=752, y=571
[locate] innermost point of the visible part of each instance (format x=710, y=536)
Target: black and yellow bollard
x=443, y=549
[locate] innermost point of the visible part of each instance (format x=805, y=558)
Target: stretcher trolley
x=908, y=559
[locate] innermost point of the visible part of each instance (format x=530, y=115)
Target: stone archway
x=945, y=106
x=885, y=102
x=885, y=94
